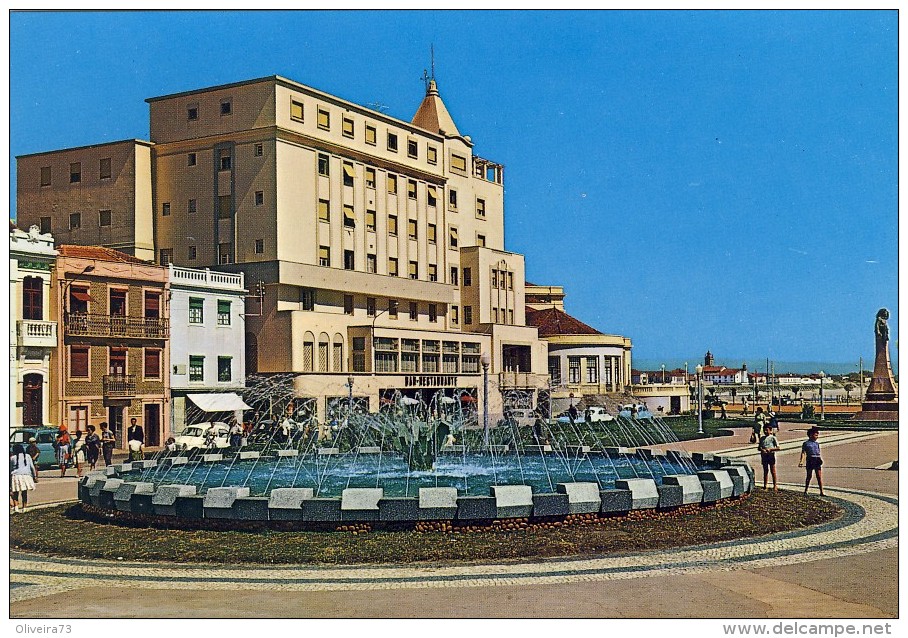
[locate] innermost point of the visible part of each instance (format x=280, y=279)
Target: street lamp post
x=822, y=404
x=663, y=374
x=699, y=370
x=485, y=360
x=349, y=397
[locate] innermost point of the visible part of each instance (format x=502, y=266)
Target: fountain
x=413, y=460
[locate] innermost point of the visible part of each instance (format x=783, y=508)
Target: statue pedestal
x=881, y=403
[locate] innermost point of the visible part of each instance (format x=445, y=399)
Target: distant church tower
x=709, y=360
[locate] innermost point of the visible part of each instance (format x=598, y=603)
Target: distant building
x=721, y=375
x=32, y=326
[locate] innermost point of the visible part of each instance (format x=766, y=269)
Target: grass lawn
x=69, y=531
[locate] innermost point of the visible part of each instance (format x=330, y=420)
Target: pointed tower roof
x=432, y=114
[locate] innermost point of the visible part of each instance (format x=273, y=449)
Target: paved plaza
x=847, y=568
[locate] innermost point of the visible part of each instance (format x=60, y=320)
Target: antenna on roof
x=426, y=76
x=377, y=106
x=432, y=54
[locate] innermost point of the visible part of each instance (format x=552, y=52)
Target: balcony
x=119, y=385
x=36, y=334
x=89, y=325
x=513, y=380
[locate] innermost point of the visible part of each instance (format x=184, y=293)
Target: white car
x=523, y=416
x=193, y=436
x=597, y=415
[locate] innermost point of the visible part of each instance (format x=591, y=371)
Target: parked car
x=596, y=413
x=523, y=416
x=44, y=438
x=193, y=436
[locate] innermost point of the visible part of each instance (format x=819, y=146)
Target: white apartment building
x=207, y=341
x=33, y=335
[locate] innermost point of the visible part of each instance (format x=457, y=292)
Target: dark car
x=44, y=438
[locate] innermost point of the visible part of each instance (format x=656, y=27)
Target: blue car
x=44, y=438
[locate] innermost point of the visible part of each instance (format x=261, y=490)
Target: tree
x=848, y=388
x=796, y=389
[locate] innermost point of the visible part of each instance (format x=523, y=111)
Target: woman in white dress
x=22, y=475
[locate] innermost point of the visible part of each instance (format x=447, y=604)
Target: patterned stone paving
x=870, y=524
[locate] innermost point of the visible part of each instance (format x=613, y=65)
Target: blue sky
x=694, y=179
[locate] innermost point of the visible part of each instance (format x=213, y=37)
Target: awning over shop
x=218, y=402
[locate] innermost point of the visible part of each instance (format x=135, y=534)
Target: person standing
x=236, y=435
x=135, y=440
x=22, y=476
x=810, y=453
x=92, y=448
x=768, y=447
x=78, y=452
x=759, y=422
x=33, y=451
x=63, y=446
x=108, y=442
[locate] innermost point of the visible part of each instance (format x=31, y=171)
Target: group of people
x=768, y=445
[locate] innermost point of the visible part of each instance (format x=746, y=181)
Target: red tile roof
x=552, y=322
x=97, y=252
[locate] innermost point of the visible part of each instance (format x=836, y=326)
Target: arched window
x=33, y=298
x=308, y=354
x=323, y=352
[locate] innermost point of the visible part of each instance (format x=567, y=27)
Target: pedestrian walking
x=22, y=477
x=78, y=452
x=759, y=422
x=768, y=447
x=810, y=455
x=33, y=451
x=63, y=447
x=92, y=448
x=108, y=442
x=236, y=435
x=135, y=440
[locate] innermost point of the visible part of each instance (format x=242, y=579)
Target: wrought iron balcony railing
x=119, y=385
x=92, y=325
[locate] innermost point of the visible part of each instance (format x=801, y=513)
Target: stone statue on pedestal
x=881, y=403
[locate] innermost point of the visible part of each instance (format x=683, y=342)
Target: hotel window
x=347, y=127
x=223, y=312
x=510, y=317
x=433, y=313
x=370, y=306
x=454, y=272
x=225, y=253
x=259, y=198
x=592, y=369
x=192, y=113
x=104, y=171
x=226, y=160
x=224, y=207
x=259, y=246
x=296, y=110
x=349, y=260
x=510, y=281
x=392, y=266
x=392, y=224
x=371, y=263
x=370, y=177
x=467, y=277
x=75, y=172
x=349, y=219
x=455, y=314
x=370, y=135
x=324, y=119
x=433, y=272
x=33, y=298
x=196, y=368
x=191, y=253
x=432, y=155
x=392, y=142
x=324, y=257
x=224, y=369
x=45, y=175
x=165, y=256
x=414, y=311
x=192, y=206
x=452, y=199
x=78, y=362
x=191, y=159
x=409, y=361
x=494, y=278
x=307, y=298
x=392, y=184
x=370, y=220
x=414, y=270
x=348, y=304
x=152, y=367
x=411, y=228
x=226, y=107
x=337, y=357
x=308, y=356
x=555, y=370
x=117, y=361
x=431, y=196
x=324, y=210
x=44, y=223
x=196, y=310
x=392, y=308
x=458, y=163
x=258, y=150
x=359, y=354
x=78, y=300
x=412, y=149
x=165, y=209
x=75, y=221
x=480, y=208
x=103, y=218
x=480, y=240
x=468, y=315
x=449, y=363
x=452, y=237
x=494, y=315
x=349, y=174
x=323, y=165
x=431, y=232
x=573, y=369
x=411, y=189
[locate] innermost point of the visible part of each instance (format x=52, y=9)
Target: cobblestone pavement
x=829, y=554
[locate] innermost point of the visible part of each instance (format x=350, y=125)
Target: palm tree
x=848, y=388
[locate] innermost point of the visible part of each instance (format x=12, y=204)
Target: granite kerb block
x=643, y=492
x=249, y=454
x=737, y=486
x=398, y=508
x=741, y=472
x=722, y=477
x=125, y=491
x=321, y=509
x=512, y=501
x=551, y=505
x=218, y=502
x=438, y=498
x=476, y=508
x=670, y=496
x=361, y=498
x=286, y=503
x=616, y=500
x=712, y=490
x=166, y=495
x=174, y=460
x=702, y=458
x=188, y=506
x=583, y=496
x=251, y=508
x=141, y=504
x=144, y=464
x=212, y=458
x=691, y=488
x=288, y=453
x=107, y=491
